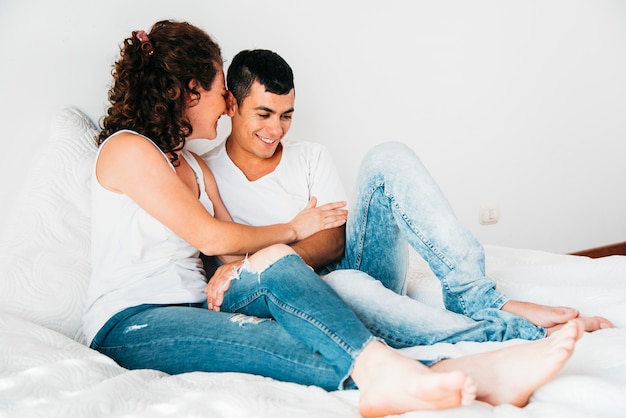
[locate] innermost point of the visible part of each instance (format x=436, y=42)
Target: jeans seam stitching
x=291, y=310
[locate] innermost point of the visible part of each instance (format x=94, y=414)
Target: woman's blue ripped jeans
x=313, y=339
x=397, y=203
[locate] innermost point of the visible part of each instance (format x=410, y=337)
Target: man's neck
x=252, y=166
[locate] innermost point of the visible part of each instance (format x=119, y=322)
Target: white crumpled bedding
x=44, y=372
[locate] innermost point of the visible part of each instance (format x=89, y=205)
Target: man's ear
x=231, y=104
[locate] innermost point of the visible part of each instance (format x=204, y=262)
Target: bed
x=44, y=371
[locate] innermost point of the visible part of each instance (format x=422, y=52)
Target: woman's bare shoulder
x=125, y=155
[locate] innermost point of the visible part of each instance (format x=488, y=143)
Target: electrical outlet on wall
x=489, y=214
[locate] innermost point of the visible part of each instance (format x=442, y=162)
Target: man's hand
x=219, y=284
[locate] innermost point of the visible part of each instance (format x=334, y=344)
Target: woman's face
x=204, y=113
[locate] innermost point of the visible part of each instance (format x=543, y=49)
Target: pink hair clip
x=142, y=36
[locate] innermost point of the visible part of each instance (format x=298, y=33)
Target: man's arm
x=322, y=247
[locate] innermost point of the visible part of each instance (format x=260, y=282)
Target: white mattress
x=45, y=372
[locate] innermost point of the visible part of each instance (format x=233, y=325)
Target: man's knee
x=391, y=155
x=389, y=150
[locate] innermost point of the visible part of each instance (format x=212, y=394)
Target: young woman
x=156, y=205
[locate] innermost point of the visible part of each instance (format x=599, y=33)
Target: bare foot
x=554, y=318
x=511, y=375
x=588, y=323
x=541, y=315
x=390, y=383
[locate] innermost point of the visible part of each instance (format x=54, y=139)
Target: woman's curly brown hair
x=151, y=80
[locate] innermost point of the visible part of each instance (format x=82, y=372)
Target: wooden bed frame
x=613, y=249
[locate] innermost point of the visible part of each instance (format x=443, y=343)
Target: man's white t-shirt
x=306, y=169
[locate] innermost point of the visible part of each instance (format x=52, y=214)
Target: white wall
x=519, y=103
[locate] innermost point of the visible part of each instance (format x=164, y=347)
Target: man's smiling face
x=261, y=121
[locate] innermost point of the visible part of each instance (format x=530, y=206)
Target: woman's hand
x=219, y=284
x=313, y=219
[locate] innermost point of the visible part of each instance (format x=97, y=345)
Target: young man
x=264, y=179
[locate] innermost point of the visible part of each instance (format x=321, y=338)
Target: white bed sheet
x=44, y=372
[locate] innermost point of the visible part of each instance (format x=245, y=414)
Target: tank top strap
x=195, y=166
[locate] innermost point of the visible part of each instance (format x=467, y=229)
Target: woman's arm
x=130, y=164
x=210, y=185
x=219, y=209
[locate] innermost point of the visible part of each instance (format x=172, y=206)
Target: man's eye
x=286, y=117
x=264, y=115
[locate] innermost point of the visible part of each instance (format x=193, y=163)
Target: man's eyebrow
x=272, y=111
x=265, y=109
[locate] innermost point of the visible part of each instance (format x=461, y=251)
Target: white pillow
x=45, y=252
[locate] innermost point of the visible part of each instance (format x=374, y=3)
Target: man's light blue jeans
x=397, y=203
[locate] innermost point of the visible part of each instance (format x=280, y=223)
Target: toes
x=605, y=323
x=568, y=312
x=469, y=392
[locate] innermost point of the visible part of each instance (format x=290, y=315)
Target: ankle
x=373, y=356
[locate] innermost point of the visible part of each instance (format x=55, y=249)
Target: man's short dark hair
x=266, y=67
